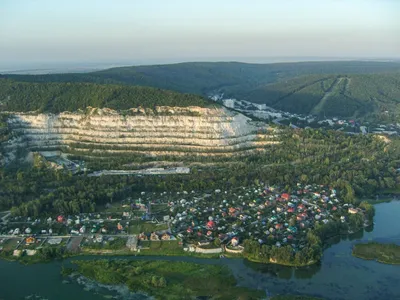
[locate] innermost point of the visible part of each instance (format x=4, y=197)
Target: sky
x=48, y=32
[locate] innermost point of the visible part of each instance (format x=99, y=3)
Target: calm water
x=339, y=276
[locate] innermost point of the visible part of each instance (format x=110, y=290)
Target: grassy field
x=383, y=253
x=161, y=248
x=137, y=227
x=10, y=244
x=163, y=280
x=115, y=244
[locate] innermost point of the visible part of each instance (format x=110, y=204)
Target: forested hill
x=208, y=77
x=58, y=97
x=353, y=96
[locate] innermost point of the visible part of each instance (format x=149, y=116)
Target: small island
x=383, y=253
x=164, y=280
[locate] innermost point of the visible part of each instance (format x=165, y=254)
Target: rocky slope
x=172, y=131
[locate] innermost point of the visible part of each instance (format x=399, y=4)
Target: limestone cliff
x=162, y=131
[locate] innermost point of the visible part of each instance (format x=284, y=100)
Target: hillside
x=204, y=78
x=369, y=96
x=59, y=97
x=165, y=131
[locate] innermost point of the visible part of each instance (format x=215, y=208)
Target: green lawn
x=10, y=244
x=116, y=244
x=161, y=247
x=137, y=227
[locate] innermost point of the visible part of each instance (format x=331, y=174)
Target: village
x=213, y=222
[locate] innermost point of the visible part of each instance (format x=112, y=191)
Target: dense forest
x=355, y=88
x=367, y=96
x=59, y=97
x=358, y=166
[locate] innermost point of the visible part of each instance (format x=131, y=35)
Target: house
x=154, y=237
x=352, y=210
x=285, y=196
x=210, y=224
x=30, y=240
x=165, y=237
x=30, y=252
x=143, y=237
x=235, y=242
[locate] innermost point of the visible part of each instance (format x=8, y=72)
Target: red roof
x=210, y=224
x=285, y=196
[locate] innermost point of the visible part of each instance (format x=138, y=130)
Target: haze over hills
x=341, y=88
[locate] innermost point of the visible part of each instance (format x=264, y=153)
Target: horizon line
x=86, y=67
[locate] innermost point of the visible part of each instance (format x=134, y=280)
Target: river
x=339, y=275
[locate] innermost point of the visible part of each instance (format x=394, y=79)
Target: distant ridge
x=253, y=82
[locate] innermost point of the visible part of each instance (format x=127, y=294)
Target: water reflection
x=283, y=272
x=356, y=235
x=370, y=228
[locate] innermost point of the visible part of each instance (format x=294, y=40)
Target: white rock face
x=171, y=130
